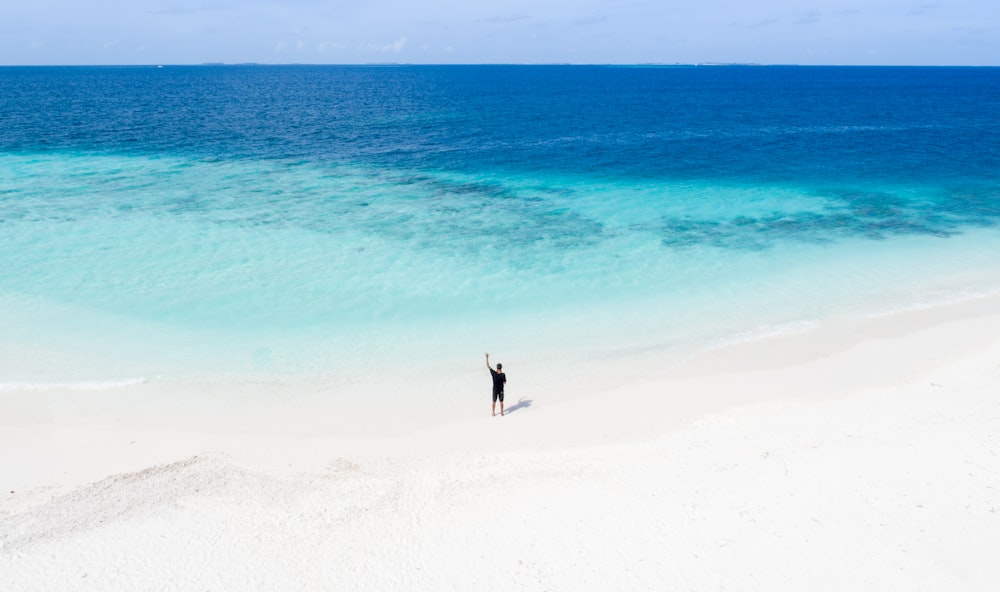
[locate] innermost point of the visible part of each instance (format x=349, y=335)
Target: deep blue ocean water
x=320, y=220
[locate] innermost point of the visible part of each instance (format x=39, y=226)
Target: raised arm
x=488, y=361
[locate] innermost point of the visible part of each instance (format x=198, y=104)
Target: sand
x=861, y=454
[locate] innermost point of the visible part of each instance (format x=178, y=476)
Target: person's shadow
x=521, y=404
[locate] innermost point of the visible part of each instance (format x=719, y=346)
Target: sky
x=890, y=32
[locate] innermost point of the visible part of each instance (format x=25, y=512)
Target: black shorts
x=497, y=395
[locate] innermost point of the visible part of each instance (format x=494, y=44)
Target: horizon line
x=582, y=64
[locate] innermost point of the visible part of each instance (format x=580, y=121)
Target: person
x=499, y=379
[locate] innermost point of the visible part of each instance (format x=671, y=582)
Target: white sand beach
x=860, y=454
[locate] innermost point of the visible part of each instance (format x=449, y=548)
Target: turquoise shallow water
x=398, y=227
x=333, y=269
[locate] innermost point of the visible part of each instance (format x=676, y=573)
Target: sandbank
x=857, y=454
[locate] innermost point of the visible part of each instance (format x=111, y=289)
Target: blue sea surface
x=227, y=221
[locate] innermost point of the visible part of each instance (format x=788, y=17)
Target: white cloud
x=922, y=9
x=184, y=31
x=512, y=18
x=326, y=46
x=394, y=47
x=176, y=11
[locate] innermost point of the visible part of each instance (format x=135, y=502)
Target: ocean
x=342, y=225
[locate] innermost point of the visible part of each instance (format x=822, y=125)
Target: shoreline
x=713, y=373
x=874, y=419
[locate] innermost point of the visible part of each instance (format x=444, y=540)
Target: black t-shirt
x=498, y=379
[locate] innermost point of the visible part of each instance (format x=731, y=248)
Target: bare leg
x=501, y=408
x=495, y=408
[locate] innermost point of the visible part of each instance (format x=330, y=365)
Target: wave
x=764, y=333
x=85, y=385
x=933, y=301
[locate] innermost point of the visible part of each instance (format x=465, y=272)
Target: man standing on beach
x=499, y=378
